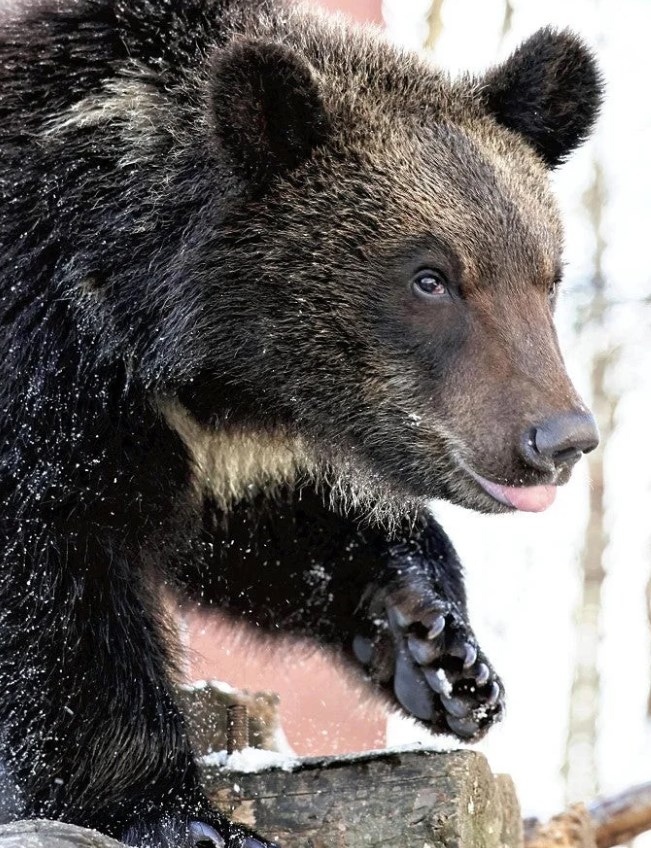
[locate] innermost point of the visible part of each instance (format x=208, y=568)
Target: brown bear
x=267, y=286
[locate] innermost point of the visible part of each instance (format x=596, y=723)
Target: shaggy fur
x=215, y=372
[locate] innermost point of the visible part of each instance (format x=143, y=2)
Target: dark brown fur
x=217, y=372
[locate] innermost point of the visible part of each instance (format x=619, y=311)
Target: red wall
x=362, y=10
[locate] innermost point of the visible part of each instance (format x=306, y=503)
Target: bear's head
x=395, y=254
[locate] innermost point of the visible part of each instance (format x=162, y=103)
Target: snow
x=200, y=685
x=446, y=686
x=251, y=760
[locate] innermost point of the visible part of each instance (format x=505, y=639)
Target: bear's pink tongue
x=524, y=498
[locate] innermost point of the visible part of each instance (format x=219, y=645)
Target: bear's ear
x=549, y=91
x=266, y=107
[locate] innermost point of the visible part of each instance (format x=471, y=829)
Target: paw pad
x=437, y=671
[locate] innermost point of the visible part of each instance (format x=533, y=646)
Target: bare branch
x=508, y=19
x=434, y=24
x=622, y=817
x=605, y=823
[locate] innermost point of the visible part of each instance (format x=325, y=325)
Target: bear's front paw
x=424, y=651
x=170, y=831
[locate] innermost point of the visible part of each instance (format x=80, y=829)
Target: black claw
x=470, y=657
x=397, y=619
x=363, y=649
x=423, y=651
x=203, y=834
x=483, y=674
x=251, y=842
x=410, y=689
x=455, y=706
x=436, y=627
x=398, y=623
x=466, y=728
x=494, y=694
x=459, y=650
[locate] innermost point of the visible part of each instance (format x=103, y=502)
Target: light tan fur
x=129, y=102
x=231, y=465
x=234, y=465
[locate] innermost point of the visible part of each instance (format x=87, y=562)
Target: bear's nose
x=561, y=439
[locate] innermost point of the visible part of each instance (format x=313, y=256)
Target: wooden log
x=51, y=834
x=406, y=799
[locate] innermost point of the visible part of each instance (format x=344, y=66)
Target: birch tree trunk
x=580, y=767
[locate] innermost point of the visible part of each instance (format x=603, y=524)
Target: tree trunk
x=580, y=768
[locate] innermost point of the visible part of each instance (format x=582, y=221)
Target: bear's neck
x=233, y=462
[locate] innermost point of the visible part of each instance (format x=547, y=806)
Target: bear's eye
x=552, y=291
x=430, y=284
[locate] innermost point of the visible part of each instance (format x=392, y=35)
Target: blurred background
x=560, y=601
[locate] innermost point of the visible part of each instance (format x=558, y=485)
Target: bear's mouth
x=522, y=498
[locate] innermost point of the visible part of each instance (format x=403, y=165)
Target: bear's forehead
x=427, y=143
x=489, y=202
x=493, y=210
